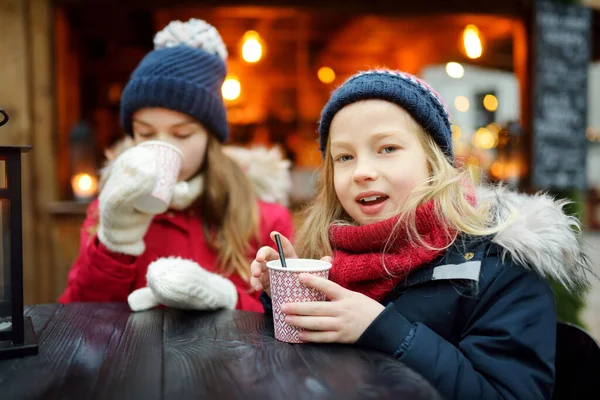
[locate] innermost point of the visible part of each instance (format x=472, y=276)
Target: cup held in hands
x=169, y=159
x=286, y=288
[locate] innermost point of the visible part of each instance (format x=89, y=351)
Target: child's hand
x=341, y=320
x=260, y=275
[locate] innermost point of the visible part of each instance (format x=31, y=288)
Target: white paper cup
x=285, y=288
x=169, y=159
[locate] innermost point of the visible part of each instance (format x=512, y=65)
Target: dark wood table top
x=103, y=351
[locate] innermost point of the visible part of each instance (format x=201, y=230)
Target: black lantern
x=17, y=338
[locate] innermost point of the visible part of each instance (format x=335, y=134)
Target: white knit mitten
x=184, y=284
x=122, y=228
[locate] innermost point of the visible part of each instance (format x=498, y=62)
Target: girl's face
x=177, y=129
x=378, y=159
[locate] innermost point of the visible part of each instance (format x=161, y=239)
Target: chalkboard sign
x=561, y=45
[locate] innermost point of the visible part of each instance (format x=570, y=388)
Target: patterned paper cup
x=169, y=159
x=285, y=288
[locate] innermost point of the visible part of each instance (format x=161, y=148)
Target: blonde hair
x=451, y=187
x=229, y=211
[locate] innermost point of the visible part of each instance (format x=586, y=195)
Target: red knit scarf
x=359, y=258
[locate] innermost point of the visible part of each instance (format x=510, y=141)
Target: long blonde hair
x=229, y=210
x=450, y=186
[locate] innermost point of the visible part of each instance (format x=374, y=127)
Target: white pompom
x=193, y=33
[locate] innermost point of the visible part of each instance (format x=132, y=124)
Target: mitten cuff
x=133, y=249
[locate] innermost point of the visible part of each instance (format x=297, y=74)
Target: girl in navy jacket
x=447, y=278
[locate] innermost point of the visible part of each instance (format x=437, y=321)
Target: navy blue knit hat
x=405, y=90
x=184, y=73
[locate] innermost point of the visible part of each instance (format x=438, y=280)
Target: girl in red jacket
x=196, y=255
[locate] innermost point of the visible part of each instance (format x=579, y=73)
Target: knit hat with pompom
x=414, y=95
x=184, y=72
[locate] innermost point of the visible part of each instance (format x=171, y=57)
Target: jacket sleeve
x=98, y=275
x=507, y=348
x=274, y=217
x=266, y=302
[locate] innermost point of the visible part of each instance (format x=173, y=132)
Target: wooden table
x=103, y=351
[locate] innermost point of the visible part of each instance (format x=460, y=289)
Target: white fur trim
x=180, y=283
x=541, y=237
x=186, y=192
x=268, y=171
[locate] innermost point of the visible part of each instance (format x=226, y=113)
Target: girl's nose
x=365, y=171
x=165, y=137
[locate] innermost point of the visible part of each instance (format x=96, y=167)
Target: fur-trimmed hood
x=268, y=171
x=540, y=236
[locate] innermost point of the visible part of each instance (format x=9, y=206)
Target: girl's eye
x=343, y=158
x=145, y=134
x=389, y=149
x=183, y=135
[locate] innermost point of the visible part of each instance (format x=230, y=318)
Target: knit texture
x=122, y=228
x=179, y=283
x=366, y=260
x=184, y=73
x=407, y=91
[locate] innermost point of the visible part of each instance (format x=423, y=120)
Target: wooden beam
x=43, y=179
x=383, y=7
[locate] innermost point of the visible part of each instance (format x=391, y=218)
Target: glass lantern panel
x=5, y=270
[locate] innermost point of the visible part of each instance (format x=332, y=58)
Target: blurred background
x=521, y=78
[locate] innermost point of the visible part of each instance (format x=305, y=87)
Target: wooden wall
x=27, y=94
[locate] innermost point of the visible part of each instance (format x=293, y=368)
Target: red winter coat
x=99, y=275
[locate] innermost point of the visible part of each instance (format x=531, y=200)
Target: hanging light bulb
x=455, y=70
x=472, y=41
x=231, y=88
x=490, y=102
x=252, y=49
x=461, y=103
x=326, y=74
x=84, y=186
